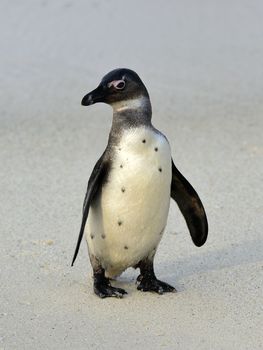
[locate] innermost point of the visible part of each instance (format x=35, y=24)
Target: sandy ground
x=202, y=64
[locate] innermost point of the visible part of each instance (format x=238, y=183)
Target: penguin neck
x=132, y=113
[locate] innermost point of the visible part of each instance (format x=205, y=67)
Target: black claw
x=139, y=279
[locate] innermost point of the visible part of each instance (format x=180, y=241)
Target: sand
x=202, y=65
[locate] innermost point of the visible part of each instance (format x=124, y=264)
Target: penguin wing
x=95, y=182
x=190, y=206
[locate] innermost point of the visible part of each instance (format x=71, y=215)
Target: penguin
x=128, y=194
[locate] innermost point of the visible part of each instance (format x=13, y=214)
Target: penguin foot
x=102, y=287
x=148, y=281
x=104, y=290
x=152, y=284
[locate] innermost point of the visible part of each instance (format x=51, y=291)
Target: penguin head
x=116, y=87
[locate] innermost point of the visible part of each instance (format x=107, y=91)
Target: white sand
x=203, y=67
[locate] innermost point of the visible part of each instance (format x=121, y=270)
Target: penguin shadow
x=232, y=256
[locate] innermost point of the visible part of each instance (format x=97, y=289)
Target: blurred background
x=202, y=64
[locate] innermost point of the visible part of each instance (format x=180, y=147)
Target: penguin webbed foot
x=152, y=284
x=148, y=281
x=103, y=289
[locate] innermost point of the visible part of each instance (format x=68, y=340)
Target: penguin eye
x=117, y=84
x=120, y=85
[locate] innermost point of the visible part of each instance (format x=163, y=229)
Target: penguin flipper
x=95, y=182
x=190, y=206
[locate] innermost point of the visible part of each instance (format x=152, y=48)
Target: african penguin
x=128, y=195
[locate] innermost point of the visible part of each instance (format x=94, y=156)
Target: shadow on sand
x=247, y=252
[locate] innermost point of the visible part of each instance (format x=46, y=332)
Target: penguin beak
x=97, y=95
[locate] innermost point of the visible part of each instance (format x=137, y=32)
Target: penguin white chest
x=127, y=219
